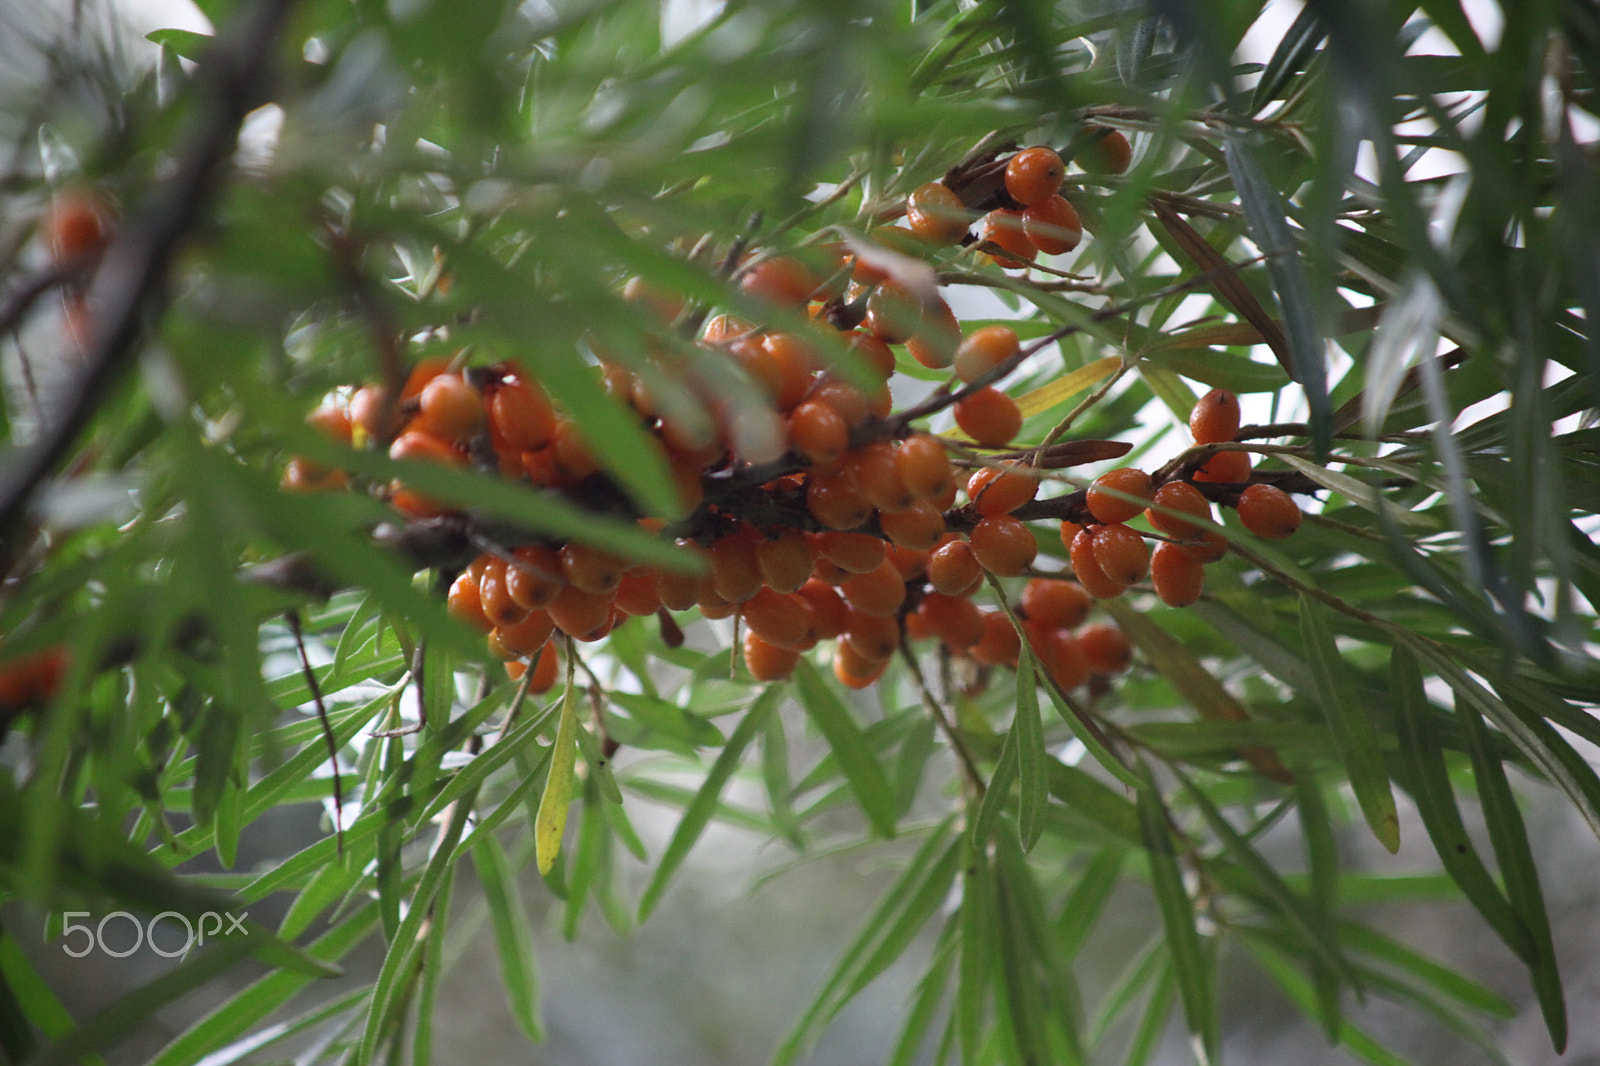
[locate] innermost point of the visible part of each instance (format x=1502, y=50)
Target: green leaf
x=704, y=805
x=1298, y=45
x=513, y=935
x=1354, y=736
x=861, y=769
x=1031, y=756
x=185, y=44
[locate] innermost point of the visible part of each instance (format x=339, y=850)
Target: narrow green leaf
x=1195, y=975
x=551, y=822
x=1283, y=971
x=1355, y=737
x=1294, y=51
x=861, y=769
x=185, y=44
x=1031, y=756
x=513, y=935
x=975, y=971
x=1386, y=949
x=1081, y=912
x=1322, y=899
x=704, y=805
x=925, y=1005
x=1436, y=804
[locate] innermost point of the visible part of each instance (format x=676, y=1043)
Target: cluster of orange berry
x=836, y=520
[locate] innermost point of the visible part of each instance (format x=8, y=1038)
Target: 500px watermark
x=83, y=938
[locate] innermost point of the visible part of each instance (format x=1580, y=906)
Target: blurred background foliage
x=312, y=195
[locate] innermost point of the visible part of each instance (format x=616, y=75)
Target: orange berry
x=1268, y=511
x=1105, y=647
x=796, y=362
x=590, y=569
x=302, y=475
x=873, y=637
x=1184, y=498
x=721, y=328
x=521, y=415
x=1107, y=495
x=464, y=603
x=545, y=672
x=1121, y=553
x=526, y=637
x=818, y=432
x=1000, y=643
x=1215, y=417
x=785, y=560
x=1054, y=603
x=829, y=613
x=1064, y=659
x=984, y=349
x=995, y=491
x=498, y=606
x=835, y=502
x=851, y=403
x=989, y=417
x=1008, y=244
x=856, y=553
x=768, y=662
x=415, y=444
x=534, y=576
x=1108, y=152
x=1177, y=575
x=569, y=453
x=877, y=476
x=578, y=613
x=894, y=314
x=937, y=337
x=1052, y=225
x=911, y=562
x=1069, y=529
x=679, y=591
x=918, y=527
x=449, y=408
x=776, y=618
x=936, y=214
x=852, y=670
x=955, y=620
x=871, y=350
x=1003, y=545
x=924, y=465
x=1231, y=467
x=77, y=225
x=424, y=371
x=953, y=569
x=638, y=594
x=782, y=281
x=1086, y=568
x=879, y=592
x=1208, y=547
x=1034, y=174
x=735, y=568
x=662, y=304
x=333, y=420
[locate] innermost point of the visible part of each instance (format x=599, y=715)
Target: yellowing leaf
x=551, y=821
x=1047, y=396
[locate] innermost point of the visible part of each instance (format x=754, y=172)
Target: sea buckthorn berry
x=1178, y=576
x=879, y=591
x=984, y=349
x=449, y=408
x=302, y=475
x=853, y=552
x=590, y=569
x=768, y=662
x=911, y=562
x=663, y=305
x=371, y=413
x=1086, y=568
x=935, y=342
x=545, y=671
x=570, y=453
x=1121, y=553
x=924, y=465
x=989, y=417
x=936, y=214
x=521, y=415
x=1231, y=467
x=835, y=502
x=1215, y=417
x=1108, y=494
x=872, y=351
x=720, y=328
x=918, y=527
x=498, y=606
x=734, y=566
x=877, y=476
x=1108, y=151
x=1054, y=603
x=829, y=613
x=818, y=432
x=1034, y=174
x=797, y=363
x=1000, y=643
x=1105, y=647
x=679, y=591
x=638, y=595
x=1009, y=246
x=782, y=281
x=1052, y=225
x=1003, y=545
x=1268, y=511
x=1067, y=664
x=1184, y=498
x=785, y=560
x=464, y=603
x=955, y=620
x=953, y=569
x=578, y=613
x=764, y=371
x=1069, y=529
x=424, y=371
x=77, y=225
x=851, y=403
x=894, y=314
x=415, y=444
x=995, y=491
x=332, y=420
x=873, y=637
x=526, y=637
x=1206, y=548
x=777, y=618
x=854, y=671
